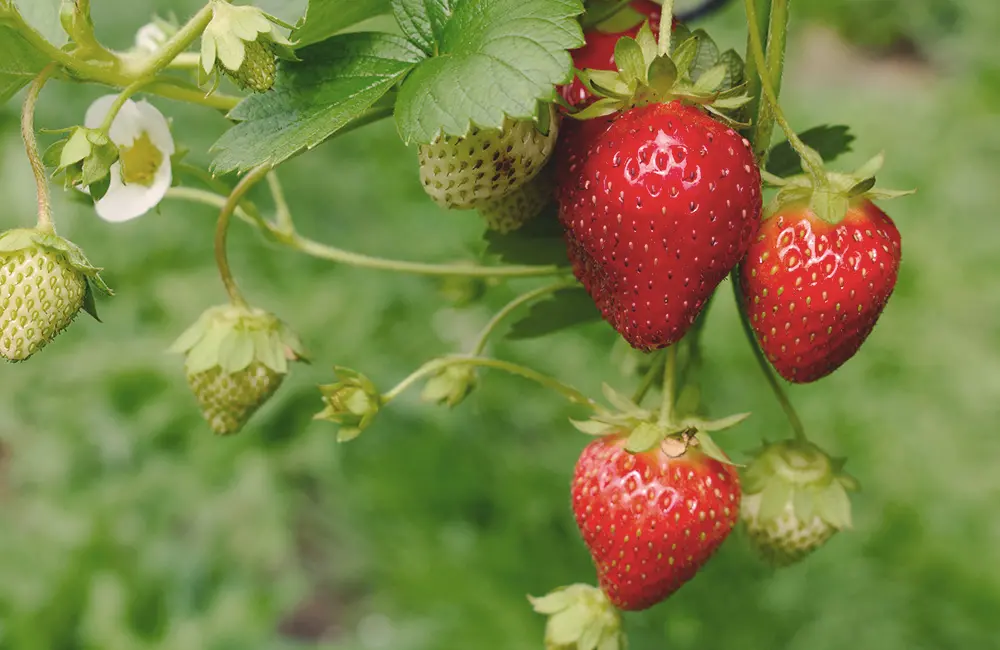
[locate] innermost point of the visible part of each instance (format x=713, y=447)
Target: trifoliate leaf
x=829, y=141
x=324, y=18
x=566, y=308
x=491, y=58
x=335, y=82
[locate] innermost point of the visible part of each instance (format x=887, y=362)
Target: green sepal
x=26, y=238
x=804, y=504
x=580, y=618
x=831, y=195
x=594, y=427
x=232, y=338
x=711, y=449
x=451, y=385
x=645, y=436
x=774, y=499
x=621, y=402
x=834, y=506
x=628, y=58
x=352, y=402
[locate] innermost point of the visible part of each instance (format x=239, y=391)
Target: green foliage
x=565, y=308
x=43, y=17
x=830, y=142
x=487, y=59
x=19, y=62
x=336, y=81
x=324, y=18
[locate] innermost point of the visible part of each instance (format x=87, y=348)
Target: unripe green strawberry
x=44, y=282
x=236, y=358
x=512, y=211
x=258, y=69
x=487, y=164
x=229, y=399
x=795, y=499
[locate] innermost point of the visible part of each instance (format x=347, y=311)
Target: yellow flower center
x=140, y=161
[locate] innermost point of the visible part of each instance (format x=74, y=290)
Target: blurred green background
x=126, y=525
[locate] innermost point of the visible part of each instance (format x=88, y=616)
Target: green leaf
x=324, y=18
x=288, y=11
x=20, y=62
x=491, y=58
x=335, y=82
x=43, y=17
x=829, y=141
x=566, y=308
x=540, y=241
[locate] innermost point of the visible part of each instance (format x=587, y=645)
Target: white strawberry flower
x=142, y=175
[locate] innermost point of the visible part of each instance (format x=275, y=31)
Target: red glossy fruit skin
x=814, y=290
x=599, y=52
x=651, y=521
x=657, y=209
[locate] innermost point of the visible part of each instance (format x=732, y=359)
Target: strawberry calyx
x=798, y=475
x=19, y=239
x=828, y=194
x=694, y=72
x=233, y=337
x=580, y=616
x=352, y=401
x=646, y=430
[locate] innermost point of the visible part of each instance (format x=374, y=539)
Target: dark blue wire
x=704, y=9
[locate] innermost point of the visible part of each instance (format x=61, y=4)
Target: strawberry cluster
x=660, y=199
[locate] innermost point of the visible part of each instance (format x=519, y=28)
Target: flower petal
x=127, y=125
x=157, y=127
x=125, y=202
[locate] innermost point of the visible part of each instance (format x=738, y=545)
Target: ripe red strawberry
x=657, y=210
x=815, y=289
x=651, y=520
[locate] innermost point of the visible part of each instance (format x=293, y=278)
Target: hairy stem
x=435, y=365
x=512, y=306
x=120, y=100
x=222, y=230
x=810, y=159
x=775, y=60
x=655, y=370
x=282, y=214
x=765, y=365
x=669, y=388
x=176, y=45
x=332, y=254
x=31, y=148
x=751, y=72
x=666, y=27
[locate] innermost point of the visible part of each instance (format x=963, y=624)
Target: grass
x=127, y=525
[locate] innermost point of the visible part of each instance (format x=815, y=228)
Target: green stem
x=120, y=100
x=765, y=366
x=655, y=370
x=322, y=251
x=775, y=60
x=751, y=74
x=210, y=198
x=282, y=214
x=511, y=307
x=810, y=159
x=669, y=379
x=222, y=229
x=31, y=148
x=666, y=27
x=169, y=90
x=175, y=45
x=436, y=365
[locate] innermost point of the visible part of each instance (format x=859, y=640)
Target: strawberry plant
x=618, y=159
